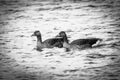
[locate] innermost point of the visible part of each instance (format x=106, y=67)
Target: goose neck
x=39, y=39
x=65, y=39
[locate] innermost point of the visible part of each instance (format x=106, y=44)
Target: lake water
x=19, y=59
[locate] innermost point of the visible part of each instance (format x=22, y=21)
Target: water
x=19, y=60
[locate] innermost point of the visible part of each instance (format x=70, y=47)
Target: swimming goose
x=79, y=43
x=49, y=43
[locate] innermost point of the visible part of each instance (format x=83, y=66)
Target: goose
x=49, y=43
x=79, y=43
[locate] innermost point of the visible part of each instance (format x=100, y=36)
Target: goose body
x=88, y=41
x=79, y=43
x=49, y=43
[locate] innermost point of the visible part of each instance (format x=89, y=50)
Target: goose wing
x=89, y=41
x=53, y=42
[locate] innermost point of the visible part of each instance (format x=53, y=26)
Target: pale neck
x=66, y=44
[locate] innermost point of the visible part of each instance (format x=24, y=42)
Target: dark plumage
x=49, y=43
x=79, y=43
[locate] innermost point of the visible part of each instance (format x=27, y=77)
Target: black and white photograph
x=59, y=39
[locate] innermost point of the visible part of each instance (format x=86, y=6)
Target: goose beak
x=57, y=36
x=68, y=37
x=32, y=35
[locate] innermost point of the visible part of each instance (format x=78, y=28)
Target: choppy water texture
x=20, y=61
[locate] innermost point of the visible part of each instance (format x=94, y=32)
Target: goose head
x=36, y=33
x=63, y=35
